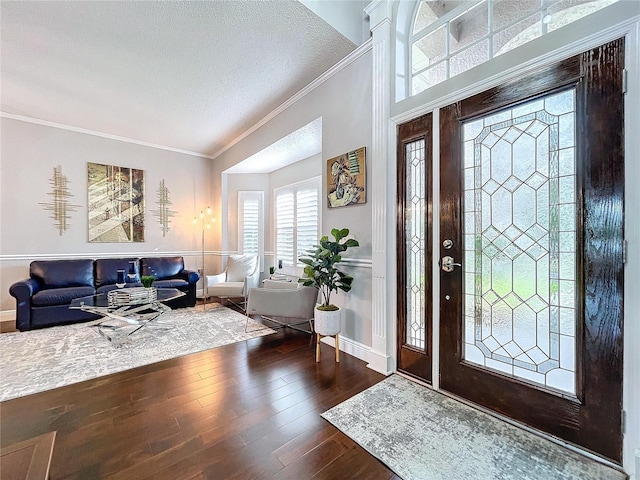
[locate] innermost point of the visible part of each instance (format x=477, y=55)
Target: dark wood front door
x=414, y=247
x=531, y=291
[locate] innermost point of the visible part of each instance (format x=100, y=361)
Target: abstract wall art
x=163, y=213
x=346, y=179
x=116, y=203
x=59, y=205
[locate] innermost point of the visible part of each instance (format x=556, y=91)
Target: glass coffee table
x=126, y=311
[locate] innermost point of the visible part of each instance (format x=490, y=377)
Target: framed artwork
x=116, y=204
x=346, y=179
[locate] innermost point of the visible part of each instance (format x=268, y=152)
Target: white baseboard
x=380, y=363
x=353, y=348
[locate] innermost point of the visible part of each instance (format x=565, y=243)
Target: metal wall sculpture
x=116, y=203
x=59, y=205
x=346, y=179
x=163, y=213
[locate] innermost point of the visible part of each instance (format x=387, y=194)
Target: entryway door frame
x=631, y=381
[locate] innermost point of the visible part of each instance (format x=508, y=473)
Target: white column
x=382, y=168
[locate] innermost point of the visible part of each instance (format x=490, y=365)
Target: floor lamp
x=206, y=220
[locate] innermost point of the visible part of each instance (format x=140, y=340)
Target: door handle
x=448, y=264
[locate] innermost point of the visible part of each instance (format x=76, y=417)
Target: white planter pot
x=327, y=322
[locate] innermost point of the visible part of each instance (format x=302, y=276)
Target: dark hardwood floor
x=250, y=410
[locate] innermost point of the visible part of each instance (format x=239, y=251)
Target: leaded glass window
x=415, y=243
x=520, y=241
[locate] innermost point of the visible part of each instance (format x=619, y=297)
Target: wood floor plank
x=249, y=410
x=303, y=443
x=314, y=460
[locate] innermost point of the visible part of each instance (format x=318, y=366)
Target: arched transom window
x=449, y=37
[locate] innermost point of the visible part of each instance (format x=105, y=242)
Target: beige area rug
x=421, y=434
x=40, y=360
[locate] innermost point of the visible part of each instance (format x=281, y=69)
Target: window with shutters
x=251, y=224
x=297, y=223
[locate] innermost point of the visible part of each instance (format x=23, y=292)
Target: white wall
x=29, y=152
x=347, y=17
x=343, y=100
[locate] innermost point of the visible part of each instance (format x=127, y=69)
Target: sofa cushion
x=60, y=296
x=240, y=266
x=162, y=267
x=62, y=273
x=171, y=283
x=107, y=268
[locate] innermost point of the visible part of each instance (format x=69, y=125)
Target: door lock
x=448, y=264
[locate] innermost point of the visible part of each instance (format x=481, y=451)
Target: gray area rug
x=53, y=357
x=423, y=435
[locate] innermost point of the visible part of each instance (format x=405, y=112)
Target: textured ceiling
x=185, y=75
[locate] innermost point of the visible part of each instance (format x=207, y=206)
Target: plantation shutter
x=285, y=222
x=251, y=224
x=297, y=220
x=306, y=221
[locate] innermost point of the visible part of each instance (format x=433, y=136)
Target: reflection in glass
x=120, y=279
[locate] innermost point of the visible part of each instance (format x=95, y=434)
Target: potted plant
x=320, y=272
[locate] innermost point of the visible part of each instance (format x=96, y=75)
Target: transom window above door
x=451, y=36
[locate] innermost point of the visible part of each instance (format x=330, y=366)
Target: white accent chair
x=242, y=273
x=283, y=300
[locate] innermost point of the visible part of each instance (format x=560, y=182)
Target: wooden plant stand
x=337, y=346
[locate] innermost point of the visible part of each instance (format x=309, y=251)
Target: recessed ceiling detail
x=303, y=143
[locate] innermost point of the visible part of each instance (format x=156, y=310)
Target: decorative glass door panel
x=531, y=242
x=415, y=243
x=414, y=247
x=519, y=185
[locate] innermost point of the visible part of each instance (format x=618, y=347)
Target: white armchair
x=281, y=300
x=242, y=273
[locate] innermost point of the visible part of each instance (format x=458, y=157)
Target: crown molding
x=346, y=61
x=61, y=126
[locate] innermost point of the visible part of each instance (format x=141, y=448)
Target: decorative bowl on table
x=132, y=296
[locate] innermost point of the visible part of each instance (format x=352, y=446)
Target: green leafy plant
x=147, y=280
x=320, y=266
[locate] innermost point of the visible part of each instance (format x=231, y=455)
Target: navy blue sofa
x=43, y=299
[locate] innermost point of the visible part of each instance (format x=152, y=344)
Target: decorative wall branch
x=164, y=213
x=60, y=205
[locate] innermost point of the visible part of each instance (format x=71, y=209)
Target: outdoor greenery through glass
x=519, y=220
